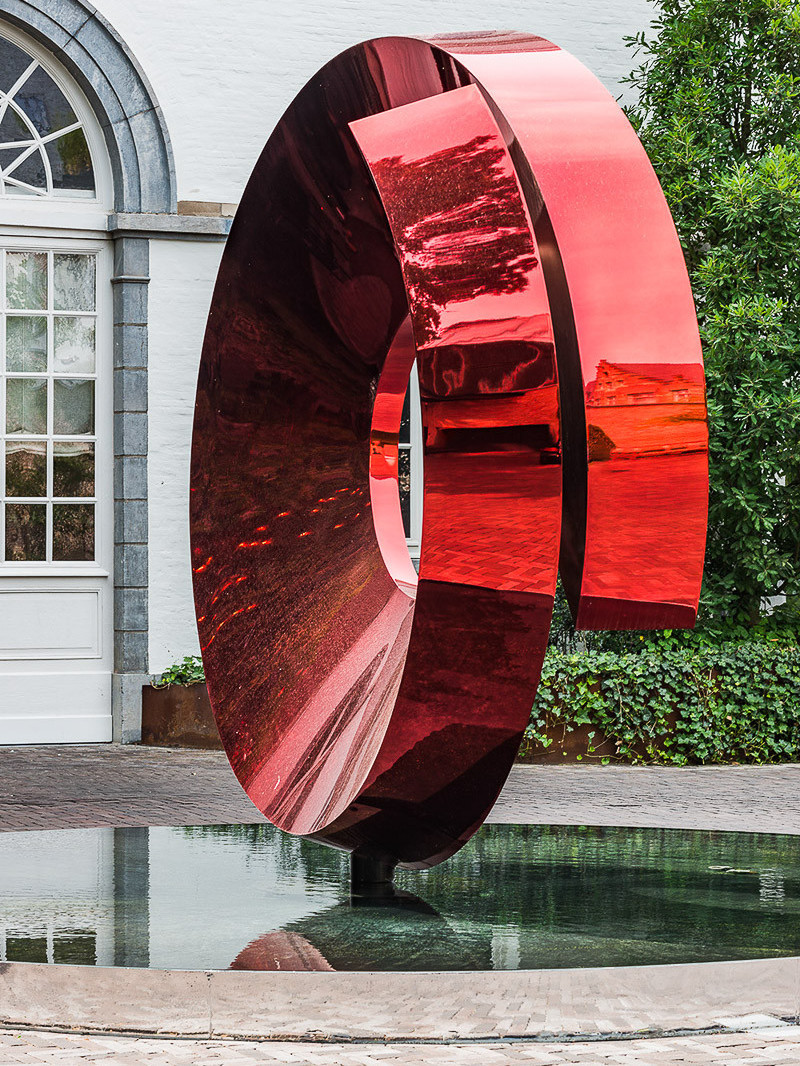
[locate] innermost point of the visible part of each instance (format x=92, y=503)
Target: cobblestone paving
x=58, y=787
x=90, y=785
x=767, y=1047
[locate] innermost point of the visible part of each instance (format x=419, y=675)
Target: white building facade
x=127, y=133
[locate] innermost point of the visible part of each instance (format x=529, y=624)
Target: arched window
x=43, y=147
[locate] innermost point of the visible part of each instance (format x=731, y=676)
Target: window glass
x=26, y=532
x=13, y=63
x=404, y=483
x=26, y=468
x=73, y=345
x=73, y=282
x=73, y=406
x=73, y=468
x=26, y=405
x=26, y=280
x=73, y=532
x=26, y=344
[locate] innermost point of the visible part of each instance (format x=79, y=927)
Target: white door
x=56, y=448
x=56, y=535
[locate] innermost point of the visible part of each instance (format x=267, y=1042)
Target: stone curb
x=399, y=1006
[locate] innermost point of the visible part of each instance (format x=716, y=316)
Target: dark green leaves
x=707, y=704
x=719, y=114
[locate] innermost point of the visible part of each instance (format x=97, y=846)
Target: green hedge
x=730, y=703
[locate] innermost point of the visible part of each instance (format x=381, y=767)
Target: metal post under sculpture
x=480, y=204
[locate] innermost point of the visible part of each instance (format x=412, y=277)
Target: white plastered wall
x=223, y=74
x=182, y=275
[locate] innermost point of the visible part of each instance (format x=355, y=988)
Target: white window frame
x=414, y=541
x=102, y=565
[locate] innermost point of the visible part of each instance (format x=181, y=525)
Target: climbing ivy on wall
x=706, y=704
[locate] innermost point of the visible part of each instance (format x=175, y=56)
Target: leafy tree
x=719, y=114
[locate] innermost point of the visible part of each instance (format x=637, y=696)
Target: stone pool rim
x=381, y=1005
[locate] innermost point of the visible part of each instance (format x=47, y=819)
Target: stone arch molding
x=125, y=105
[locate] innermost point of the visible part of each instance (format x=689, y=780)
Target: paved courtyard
x=765, y=1047
x=49, y=787
x=107, y=784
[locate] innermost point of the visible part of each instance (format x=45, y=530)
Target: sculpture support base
x=370, y=876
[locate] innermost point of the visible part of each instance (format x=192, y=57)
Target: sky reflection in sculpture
x=481, y=205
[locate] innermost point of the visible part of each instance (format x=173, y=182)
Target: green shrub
x=705, y=704
x=718, y=111
x=187, y=672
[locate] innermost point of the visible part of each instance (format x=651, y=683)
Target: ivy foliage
x=718, y=112
x=706, y=704
x=189, y=671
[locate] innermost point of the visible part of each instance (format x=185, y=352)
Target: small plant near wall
x=189, y=671
x=176, y=710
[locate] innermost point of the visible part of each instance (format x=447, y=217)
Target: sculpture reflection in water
x=479, y=204
x=204, y=898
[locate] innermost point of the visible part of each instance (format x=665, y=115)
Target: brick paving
x=768, y=1047
x=52, y=787
x=48, y=787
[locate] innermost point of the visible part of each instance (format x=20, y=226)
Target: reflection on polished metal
x=479, y=204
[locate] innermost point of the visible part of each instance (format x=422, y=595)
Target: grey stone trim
x=126, y=698
x=129, y=284
x=170, y=227
x=117, y=89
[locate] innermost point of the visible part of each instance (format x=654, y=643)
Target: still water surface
x=516, y=897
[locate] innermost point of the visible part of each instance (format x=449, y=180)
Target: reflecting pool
x=516, y=897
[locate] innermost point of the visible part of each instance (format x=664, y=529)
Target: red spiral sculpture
x=481, y=205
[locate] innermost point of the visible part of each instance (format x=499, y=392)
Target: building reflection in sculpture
x=480, y=205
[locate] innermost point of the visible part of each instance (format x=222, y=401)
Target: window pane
x=12, y=128
x=26, y=280
x=70, y=163
x=405, y=419
x=26, y=405
x=13, y=61
x=73, y=346
x=24, y=167
x=26, y=468
x=73, y=406
x=73, y=468
x=73, y=282
x=78, y=947
x=73, y=532
x=44, y=103
x=26, y=532
x=26, y=948
x=404, y=484
x=26, y=344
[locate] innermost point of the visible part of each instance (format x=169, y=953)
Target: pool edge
x=380, y=1005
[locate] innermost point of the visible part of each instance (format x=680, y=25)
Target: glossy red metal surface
x=630, y=364
x=396, y=213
